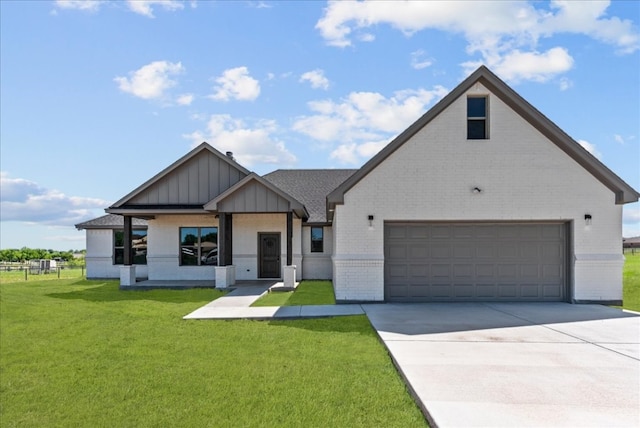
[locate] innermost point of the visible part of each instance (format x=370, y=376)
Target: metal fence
x=11, y=272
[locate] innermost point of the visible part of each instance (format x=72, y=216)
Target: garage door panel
x=551, y=251
x=507, y=290
x=396, y=271
x=507, y=271
x=395, y=291
x=418, y=251
x=552, y=290
x=552, y=272
x=464, y=250
x=529, y=271
x=463, y=232
x=529, y=250
x=441, y=290
x=396, y=252
x=485, y=271
x=531, y=291
x=463, y=271
x=486, y=250
x=487, y=291
x=439, y=271
x=471, y=262
x=418, y=271
x=440, y=250
x=508, y=250
x=419, y=291
x=441, y=232
x=463, y=291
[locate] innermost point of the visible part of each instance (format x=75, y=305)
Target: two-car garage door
x=431, y=262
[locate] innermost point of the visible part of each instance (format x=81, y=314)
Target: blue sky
x=99, y=96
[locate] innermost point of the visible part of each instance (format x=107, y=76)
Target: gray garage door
x=431, y=262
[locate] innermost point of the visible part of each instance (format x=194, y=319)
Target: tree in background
x=25, y=254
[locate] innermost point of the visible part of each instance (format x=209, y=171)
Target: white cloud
x=316, y=78
x=145, y=7
x=26, y=201
x=141, y=7
x=250, y=145
x=516, y=66
x=83, y=5
x=185, y=99
x=504, y=33
x=365, y=116
x=418, y=61
x=591, y=148
x=236, y=83
x=355, y=154
x=565, y=83
x=150, y=81
x=588, y=18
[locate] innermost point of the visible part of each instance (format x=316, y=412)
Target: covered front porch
x=268, y=284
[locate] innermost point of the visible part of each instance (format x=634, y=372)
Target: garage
x=439, y=262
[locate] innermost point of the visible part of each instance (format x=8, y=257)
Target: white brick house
x=482, y=199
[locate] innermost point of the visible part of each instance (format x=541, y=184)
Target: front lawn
x=83, y=353
x=307, y=293
x=631, y=279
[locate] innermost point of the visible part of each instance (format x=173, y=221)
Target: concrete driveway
x=516, y=364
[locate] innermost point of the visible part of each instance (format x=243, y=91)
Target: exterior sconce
x=370, y=220
x=476, y=190
x=587, y=219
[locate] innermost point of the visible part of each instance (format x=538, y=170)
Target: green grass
x=307, y=293
x=631, y=279
x=77, y=353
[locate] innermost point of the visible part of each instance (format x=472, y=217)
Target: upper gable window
x=477, y=118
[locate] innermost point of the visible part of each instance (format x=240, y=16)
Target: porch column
x=225, y=241
x=128, y=271
x=128, y=240
x=289, y=238
x=290, y=269
x=225, y=271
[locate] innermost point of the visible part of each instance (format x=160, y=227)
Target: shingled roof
x=310, y=186
x=110, y=221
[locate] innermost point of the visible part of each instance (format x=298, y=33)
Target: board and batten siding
x=254, y=198
x=196, y=182
x=523, y=177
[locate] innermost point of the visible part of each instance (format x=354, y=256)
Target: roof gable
x=623, y=192
x=193, y=180
x=253, y=194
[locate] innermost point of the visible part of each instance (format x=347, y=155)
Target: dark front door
x=269, y=255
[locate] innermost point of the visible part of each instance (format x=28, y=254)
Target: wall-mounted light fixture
x=587, y=219
x=476, y=190
x=370, y=220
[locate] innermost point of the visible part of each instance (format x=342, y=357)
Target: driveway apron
x=516, y=364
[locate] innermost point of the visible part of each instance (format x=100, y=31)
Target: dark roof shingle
x=310, y=187
x=109, y=221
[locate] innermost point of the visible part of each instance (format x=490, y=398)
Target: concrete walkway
x=516, y=364
x=237, y=305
